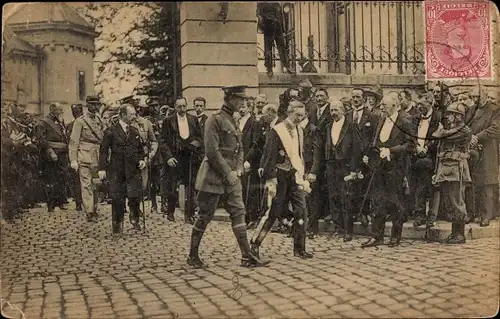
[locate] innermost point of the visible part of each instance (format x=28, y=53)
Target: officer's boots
x=193, y=258
x=248, y=258
x=457, y=235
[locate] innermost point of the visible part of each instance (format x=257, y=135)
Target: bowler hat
x=238, y=90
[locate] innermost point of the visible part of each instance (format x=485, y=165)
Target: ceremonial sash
x=293, y=150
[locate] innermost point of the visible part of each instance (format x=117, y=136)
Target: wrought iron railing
x=352, y=37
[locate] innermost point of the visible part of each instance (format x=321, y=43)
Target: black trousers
x=273, y=32
x=386, y=200
x=286, y=191
x=56, y=176
x=250, y=183
x=185, y=173
x=118, y=210
x=421, y=187
x=339, y=194
x=154, y=180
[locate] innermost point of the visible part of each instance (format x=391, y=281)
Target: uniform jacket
x=485, y=124
x=48, y=130
x=148, y=137
x=452, y=163
x=223, y=153
x=170, y=139
x=347, y=148
x=86, y=136
x=122, y=166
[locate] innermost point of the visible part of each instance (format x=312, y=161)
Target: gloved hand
x=246, y=166
x=172, y=162
x=74, y=165
x=142, y=164
x=232, y=178
x=102, y=175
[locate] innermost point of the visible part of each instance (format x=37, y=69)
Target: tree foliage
x=135, y=48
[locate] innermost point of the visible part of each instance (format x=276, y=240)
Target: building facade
x=349, y=43
x=47, y=57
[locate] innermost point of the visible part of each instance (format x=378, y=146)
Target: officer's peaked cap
x=239, y=90
x=92, y=99
x=456, y=107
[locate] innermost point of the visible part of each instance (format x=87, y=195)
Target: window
x=81, y=85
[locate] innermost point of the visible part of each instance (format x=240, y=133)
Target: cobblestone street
x=60, y=266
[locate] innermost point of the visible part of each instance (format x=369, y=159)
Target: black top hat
x=92, y=99
x=238, y=90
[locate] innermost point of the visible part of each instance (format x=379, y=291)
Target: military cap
x=92, y=99
x=238, y=90
x=76, y=107
x=456, y=107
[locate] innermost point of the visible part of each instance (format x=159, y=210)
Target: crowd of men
x=367, y=157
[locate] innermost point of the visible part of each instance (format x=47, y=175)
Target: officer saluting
x=86, y=136
x=219, y=175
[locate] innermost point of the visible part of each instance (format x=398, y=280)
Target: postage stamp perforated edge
x=492, y=70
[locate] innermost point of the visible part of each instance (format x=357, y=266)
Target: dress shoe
x=171, y=217
x=347, y=238
x=312, y=236
x=253, y=262
x=393, y=242
x=372, y=242
x=136, y=226
x=195, y=262
x=303, y=254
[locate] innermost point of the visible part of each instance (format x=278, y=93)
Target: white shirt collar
x=428, y=116
x=393, y=117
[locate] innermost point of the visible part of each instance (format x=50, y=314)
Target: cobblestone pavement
x=60, y=266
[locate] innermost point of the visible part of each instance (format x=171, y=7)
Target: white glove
x=142, y=164
x=172, y=162
x=246, y=166
x=102, y=175
x=385, y=153
x=74, y=165
x=261, y=172
x=311, y=178
x=350, y=177
x=365, y=159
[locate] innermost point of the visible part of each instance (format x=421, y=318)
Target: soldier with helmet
x=86, y=136
x=452, y=169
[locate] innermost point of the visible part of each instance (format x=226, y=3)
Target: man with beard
x=53, y=142
x=284, y=173
x=338, y=146
x=423, y=160
x=260, y=102
x=200, y=105
x=219, y=175
x=76, y=190
x=452, y=171
x=393, y=142
x=86, y=136
x=250, y=179
x=181, y=143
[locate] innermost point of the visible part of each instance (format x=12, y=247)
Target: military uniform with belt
x=85, y=139
x=53, y=142
x=219, y=175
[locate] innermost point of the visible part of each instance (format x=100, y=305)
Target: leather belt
x=88, y=142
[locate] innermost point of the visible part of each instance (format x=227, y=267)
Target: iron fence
x=353, y=37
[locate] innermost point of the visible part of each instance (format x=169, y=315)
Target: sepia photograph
x=250, y=159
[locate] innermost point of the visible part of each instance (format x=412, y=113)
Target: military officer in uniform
x=219, y=174
x=84, y=142
x=53, y=142
x=452, y=170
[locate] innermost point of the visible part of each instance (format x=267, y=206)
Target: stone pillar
x=214, y=54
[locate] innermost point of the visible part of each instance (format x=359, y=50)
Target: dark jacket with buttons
x=223, y=153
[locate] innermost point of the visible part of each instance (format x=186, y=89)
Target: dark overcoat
x=122, y=166
x=223, y=153
x=485, y=124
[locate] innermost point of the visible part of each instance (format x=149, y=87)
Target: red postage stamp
x=458, y=40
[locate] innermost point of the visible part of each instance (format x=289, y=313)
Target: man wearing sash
x=283, y=171
x=53, y=142
x=84, y=142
